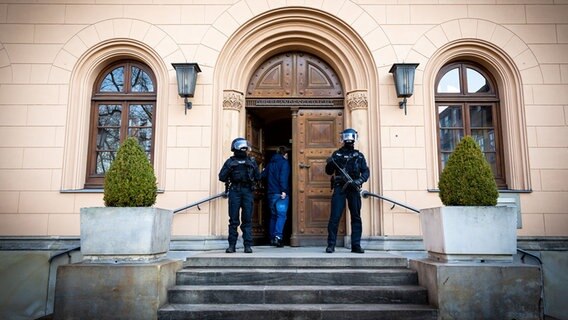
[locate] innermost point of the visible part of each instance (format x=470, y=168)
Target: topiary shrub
x=467, y=179
x=130, y=180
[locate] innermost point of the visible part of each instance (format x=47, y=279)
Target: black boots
x=357, y=249
x=354, y=249
x=232, y=249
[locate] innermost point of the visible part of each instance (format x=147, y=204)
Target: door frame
x=296, y=237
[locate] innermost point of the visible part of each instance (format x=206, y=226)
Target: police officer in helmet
x=349, y=171
x=240, y=173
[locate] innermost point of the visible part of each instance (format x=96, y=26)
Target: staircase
x=296, y=283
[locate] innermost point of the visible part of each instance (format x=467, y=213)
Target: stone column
x=233, y=103
x=357, y=103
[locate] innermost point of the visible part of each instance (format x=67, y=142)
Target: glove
x=358, y=182
x=328, y=160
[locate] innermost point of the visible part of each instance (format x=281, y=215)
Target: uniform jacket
x=352, y=161
x=239, y=170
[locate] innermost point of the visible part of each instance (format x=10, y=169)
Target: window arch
x=467, y=103
x=123, y=104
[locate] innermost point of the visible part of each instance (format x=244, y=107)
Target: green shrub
x=130, y=180
x=467, y=179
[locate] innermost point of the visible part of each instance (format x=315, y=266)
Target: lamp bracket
x=402, y=105
x=188, y=105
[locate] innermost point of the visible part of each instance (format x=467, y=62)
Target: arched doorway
x=296, y=99
x=296, y=29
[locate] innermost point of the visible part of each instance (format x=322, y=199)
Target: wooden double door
x=296, y=99
x=314, y=136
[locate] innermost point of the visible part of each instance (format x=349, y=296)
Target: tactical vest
x=243, y=172
x=350, y=162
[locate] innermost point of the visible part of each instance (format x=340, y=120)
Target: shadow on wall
x=27, y=283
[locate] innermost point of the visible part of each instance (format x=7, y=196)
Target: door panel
x=294, y=74
x=254, y=134
x=316, y=136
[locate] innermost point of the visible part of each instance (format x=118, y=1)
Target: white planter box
x=128, y=233
x=470, y=233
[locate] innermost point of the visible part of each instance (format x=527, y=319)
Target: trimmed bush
x=467, y=179
x=130, y=180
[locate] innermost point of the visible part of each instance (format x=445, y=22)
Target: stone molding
x=190, y=243
x=357, y=100
x=233, y=100
x=509, y=82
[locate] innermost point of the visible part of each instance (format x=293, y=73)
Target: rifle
x=347, y=176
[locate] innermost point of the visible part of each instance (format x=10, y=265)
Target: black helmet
x=349, y=135
x=240, y=144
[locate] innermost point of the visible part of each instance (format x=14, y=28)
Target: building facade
x=78, y=77
x=293, y=72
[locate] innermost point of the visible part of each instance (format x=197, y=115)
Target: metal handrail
x=223, y=194
x=64, y=252
x=526, y=253
x=68, y=252
x=365, y=194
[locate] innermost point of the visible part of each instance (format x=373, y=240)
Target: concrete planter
x=470, y=233
x=125, y=234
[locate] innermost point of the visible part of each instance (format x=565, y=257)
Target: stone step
x=282, y=261
x=293, y=276
x=297, y=294
x=297, y=311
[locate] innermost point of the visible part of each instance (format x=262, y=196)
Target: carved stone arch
x=296, y=29
x=508, y=78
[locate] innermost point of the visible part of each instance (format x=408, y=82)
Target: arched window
x=467, y=103
x=123, y=104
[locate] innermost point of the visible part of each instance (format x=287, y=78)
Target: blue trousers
x=277, y=217
x=338, y=199
x=240, y=198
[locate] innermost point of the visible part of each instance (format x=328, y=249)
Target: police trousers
x=240, y=200
x=338, y=199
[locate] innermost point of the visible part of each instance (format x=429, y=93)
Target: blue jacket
x=277, y=173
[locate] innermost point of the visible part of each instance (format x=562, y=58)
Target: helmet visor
x=241, y=145
x=349, y=137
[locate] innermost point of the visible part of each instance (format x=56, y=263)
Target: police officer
x=240, y=174
x=349, y=171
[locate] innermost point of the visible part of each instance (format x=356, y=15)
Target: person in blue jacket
x=277, y=174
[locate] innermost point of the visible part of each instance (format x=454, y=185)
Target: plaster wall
x=49, y=53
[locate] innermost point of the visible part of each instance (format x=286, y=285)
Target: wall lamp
x=403, y=74
x=186, y=79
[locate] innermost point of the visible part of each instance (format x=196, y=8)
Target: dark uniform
x=241, y=174
x=353, y=162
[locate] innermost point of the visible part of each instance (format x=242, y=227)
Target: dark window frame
x=465, y=101
x=126, y=98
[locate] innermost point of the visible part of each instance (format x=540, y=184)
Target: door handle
x=303, y=165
